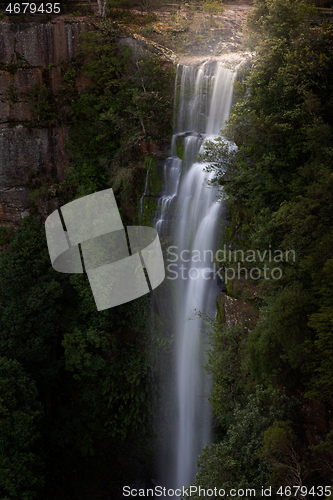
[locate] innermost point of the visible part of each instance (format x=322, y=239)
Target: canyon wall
x=31, y=53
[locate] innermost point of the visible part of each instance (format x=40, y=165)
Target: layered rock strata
x=31, y=53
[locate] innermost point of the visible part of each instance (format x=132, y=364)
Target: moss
x=11, y=67
x=180, y=147
x=234, y=289
x=180, y=151
x=228, y=233
x=149, y=208
x=219, y=308
x=228, y=286
x=155, y=176
x=43, y=107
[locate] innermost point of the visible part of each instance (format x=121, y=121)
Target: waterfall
x=190, y=217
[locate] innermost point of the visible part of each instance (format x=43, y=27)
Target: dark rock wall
x=31, y=53
x=40, y=53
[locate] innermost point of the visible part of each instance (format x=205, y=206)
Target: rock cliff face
x=31, y=53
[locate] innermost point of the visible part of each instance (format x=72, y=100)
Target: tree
x=227, y=364
x=279, y=188
x=32, y=298
x=279, y=451
x=101, y=7
x=20, y=411
x=90, y=368
x=235, y=462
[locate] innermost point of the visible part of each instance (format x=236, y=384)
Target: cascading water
x=189, y=215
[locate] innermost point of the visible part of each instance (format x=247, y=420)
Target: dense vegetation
x=273, y=390
x=127, y=102
x=78, y=387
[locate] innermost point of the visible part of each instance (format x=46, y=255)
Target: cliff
x=31, y=53
x=34, y=53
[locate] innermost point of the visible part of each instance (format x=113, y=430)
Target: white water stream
x=189, y=214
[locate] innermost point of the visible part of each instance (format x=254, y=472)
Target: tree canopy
x=278, y=184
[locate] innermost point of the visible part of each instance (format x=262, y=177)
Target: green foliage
x=322, y=323
x=286, y=107
x=30, y=300
x=97, y=384
x=6, y=234
x=227, y=363
x=20, y=410
x=221, y=158
x=235, y=462
x=277, y=19
x=279, y=450
x=279, y=182
x=323, y=455
x=239, y=89
x=213, y=7
x=277, y=343
x=50, y=110
x=127, y=103
x=43, y=106
x=279, y=187
x=110, y=344
x=91, y=368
